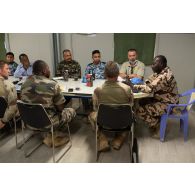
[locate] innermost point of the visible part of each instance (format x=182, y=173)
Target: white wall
x=82, y=46
x=178, y=48
x=35, y=45
x=180, y=52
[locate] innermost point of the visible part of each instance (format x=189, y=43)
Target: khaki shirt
x=8, y=91
x=112, y=92
x=138, y=68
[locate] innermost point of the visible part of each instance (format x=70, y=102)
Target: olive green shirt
x=112, y=92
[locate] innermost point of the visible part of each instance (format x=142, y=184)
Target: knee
x=68, y=114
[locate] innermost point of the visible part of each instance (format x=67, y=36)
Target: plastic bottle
x=66, y=75
x=93, y=74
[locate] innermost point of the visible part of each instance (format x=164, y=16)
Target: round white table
x=81, y=90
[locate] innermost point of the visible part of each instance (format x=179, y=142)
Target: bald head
x=159, y=63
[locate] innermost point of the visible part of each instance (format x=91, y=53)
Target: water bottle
x=93, y=74
x=65, y=75
x=84, y=80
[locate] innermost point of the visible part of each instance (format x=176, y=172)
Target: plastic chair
x=35, y=116
x=183, y=116
x=116, y=118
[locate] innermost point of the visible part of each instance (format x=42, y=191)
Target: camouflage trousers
x=151, y=113
x=65, y=117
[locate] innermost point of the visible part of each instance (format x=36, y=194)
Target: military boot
x=118, y=141
x=103, y=144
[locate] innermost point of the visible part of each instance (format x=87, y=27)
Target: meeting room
x=97, y=97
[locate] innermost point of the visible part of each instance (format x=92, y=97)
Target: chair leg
x=96, y=143
x=23, y=136
x=53, y=145
x=32, y=150
x=68, y=129
x=15, y=130
x=53, y=149
x=19, y=146
x=27, y=154
x=185, y=128
x=163, y=124
x=132, y=142
x=130, y=145
x=135, y=156
x=67, y=149
x=181, y=125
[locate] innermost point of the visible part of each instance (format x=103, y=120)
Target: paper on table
x=57, y=78
x=120, y=79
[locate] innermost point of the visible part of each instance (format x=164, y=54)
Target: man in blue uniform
x=96, y=67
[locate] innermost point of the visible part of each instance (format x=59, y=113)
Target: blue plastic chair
x=183, y=116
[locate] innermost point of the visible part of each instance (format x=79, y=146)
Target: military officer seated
x=112, y=92
x=164, y=88
x=96, y=67
x=39, y=88
x=73, y=67
x=8, y=91
x=12, y=64
x=133, y=68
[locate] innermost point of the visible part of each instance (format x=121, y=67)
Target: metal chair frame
x=129, y=126
x=48, y=123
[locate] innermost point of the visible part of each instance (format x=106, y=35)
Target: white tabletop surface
x=83, y=89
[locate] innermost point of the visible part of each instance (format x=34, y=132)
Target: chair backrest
x=192, y=97
x=33, y=115
x=114, y=116
x=3, y=106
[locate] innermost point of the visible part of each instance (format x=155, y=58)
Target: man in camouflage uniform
x=111, y=92
x=164, y=88
x=133, y=68
x=73, y=67
x=96, y=67
x=38, y=88
x=12, y=64
x=8, y=91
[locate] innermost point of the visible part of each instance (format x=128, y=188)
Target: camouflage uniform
x=39, y=89
x=12, y=67
x=164, y=88
x=110, y=92
x=8, y=91
x=98, y=70
x=73, y=68
x=138, y=68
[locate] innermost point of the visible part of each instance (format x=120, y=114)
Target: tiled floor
x=174, y=149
